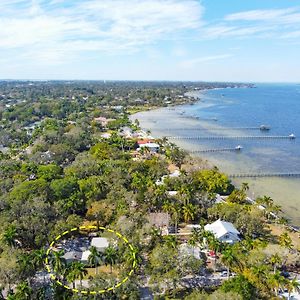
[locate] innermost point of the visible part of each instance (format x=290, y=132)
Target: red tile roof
x=146, y=141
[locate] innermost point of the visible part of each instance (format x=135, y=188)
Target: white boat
x=264, y=127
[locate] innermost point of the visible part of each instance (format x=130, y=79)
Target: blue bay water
x=222, y=113
x=275, y=105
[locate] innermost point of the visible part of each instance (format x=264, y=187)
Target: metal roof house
x=153, y=147
x=85, y=256
x=100, y=243
x=72, y=256
x=224, y=231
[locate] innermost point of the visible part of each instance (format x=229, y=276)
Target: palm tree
x=26, y=266
x=193, y=242
x=70, y=275
x=260, y=272
x=171, y=241
x=276, y=281
x=275, y=260
x=189, y=212
x=167, y=207
x=265, y=200
x=258, y=276
x=39, y=258
x=285, y=240
x=79, y=270
x=57, y=261
x=245, y=187
x=207, y=238
x=173, y=208
x=76, y=270
x=268, y=203
x=9, y=236
x=24, y=291
x=248, y=244
x=293, y=286
x=156, y=236
x=94, y=258
x=185, y=191
x=229, y=259
x=214, y=245
x=176, y=215
x=133, y=255
x=110, y=256
x=197, y=235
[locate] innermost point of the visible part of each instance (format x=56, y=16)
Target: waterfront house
x=153, y=147
x=223, y=231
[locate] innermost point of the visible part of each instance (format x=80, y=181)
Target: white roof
x=106, y=135
x=100, y=242
x=220, y=228
x=176, y=173
x=150, y=145
x=172, y=193
x=85, y=255
x=72, y=255
x=193, y=226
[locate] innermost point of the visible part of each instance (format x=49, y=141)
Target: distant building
x=118, y=108
x=31, y=127
x=106, y=135
x=100, y=243
x=153, y=147
x=224, y=231
x=172, y=193
x=145, y=141
x=140, y=134
x=103, y=121
x=159, y=220
x=126, y=132
x=174, y=174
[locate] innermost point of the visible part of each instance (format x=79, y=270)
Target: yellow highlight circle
x=85, y=292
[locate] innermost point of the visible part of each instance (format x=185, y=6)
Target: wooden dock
x=236, y=149
x=260, y=175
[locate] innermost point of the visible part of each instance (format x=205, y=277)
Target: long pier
x=236, y=149
x=256, y=175
x=246, y=137
x=215, y=128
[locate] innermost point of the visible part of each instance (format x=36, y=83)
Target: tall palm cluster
x=263, y=274
x=78, y=270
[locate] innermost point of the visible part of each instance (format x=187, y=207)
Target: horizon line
x=152, y=80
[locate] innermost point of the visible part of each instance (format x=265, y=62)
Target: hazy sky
x=222, y=40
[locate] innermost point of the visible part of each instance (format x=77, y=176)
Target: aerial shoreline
x=269, y=184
